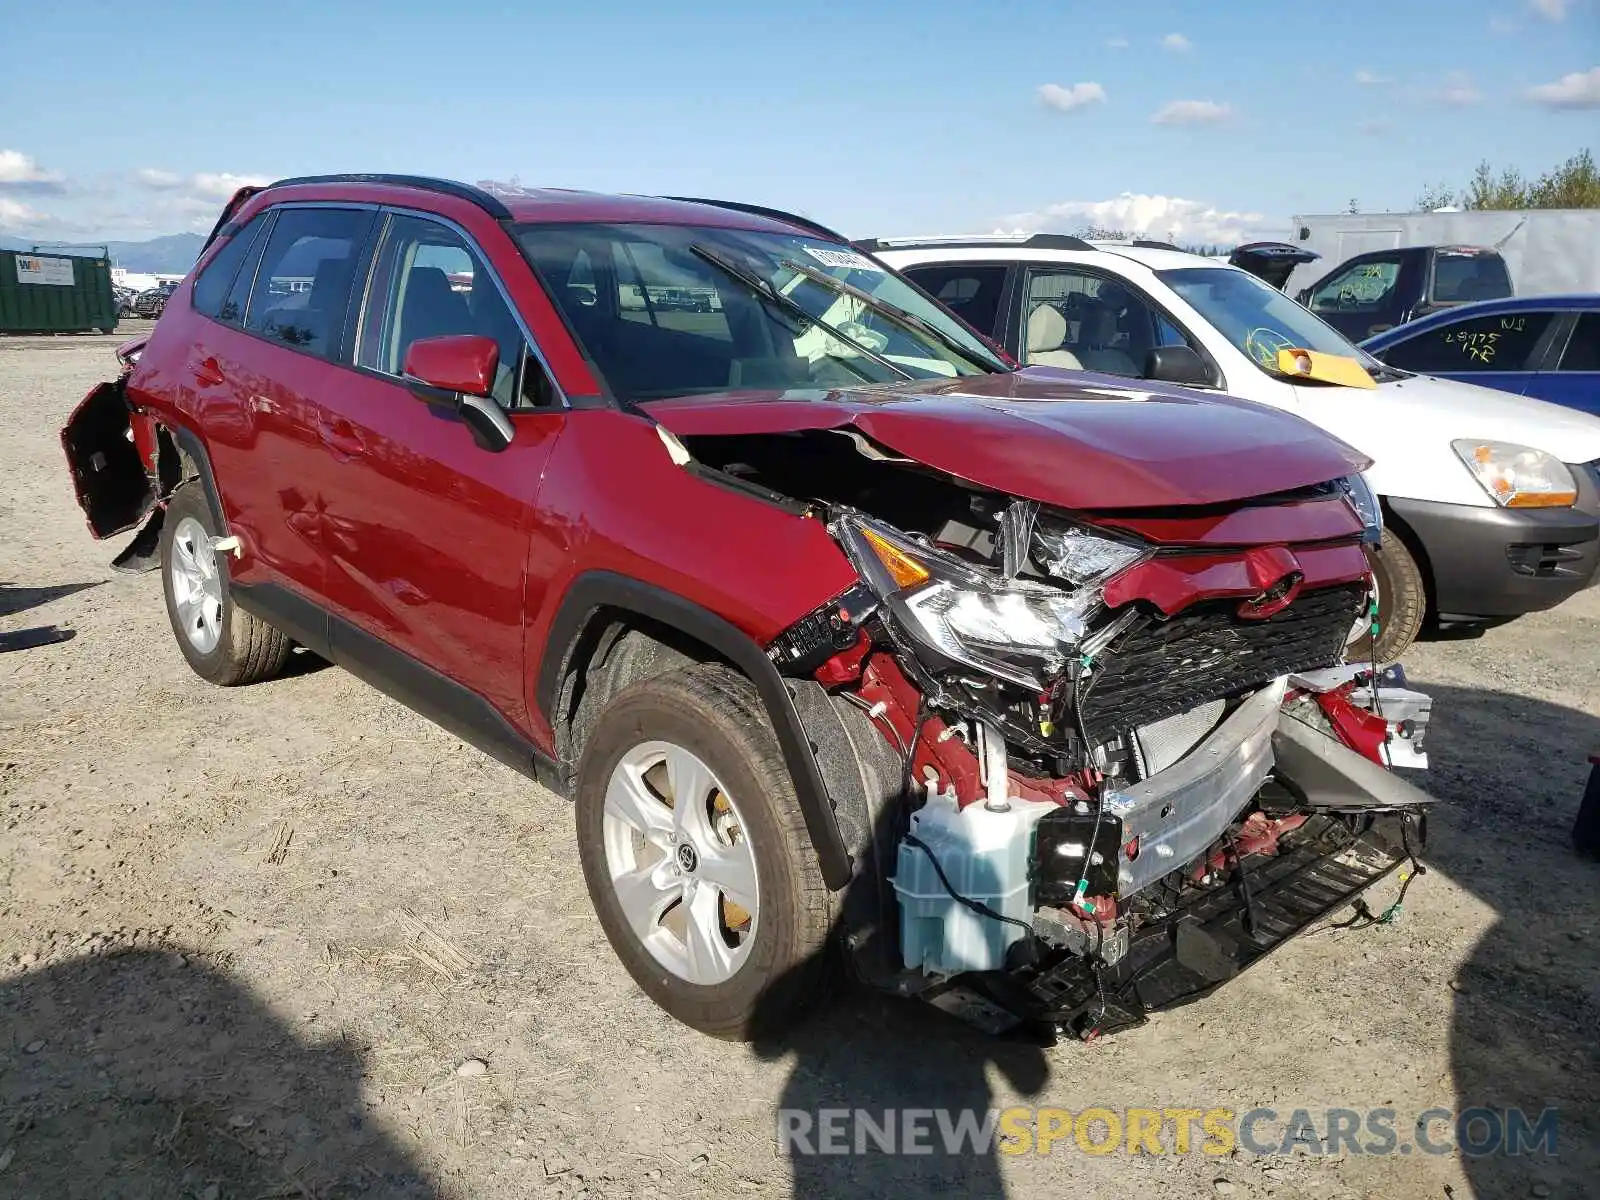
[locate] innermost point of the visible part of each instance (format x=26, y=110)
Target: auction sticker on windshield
x=829, y=257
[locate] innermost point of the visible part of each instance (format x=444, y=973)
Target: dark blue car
x=1547, y=347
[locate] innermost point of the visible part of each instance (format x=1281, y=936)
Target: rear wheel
x=1402, y=604
x=221, y=642
x=696, y=854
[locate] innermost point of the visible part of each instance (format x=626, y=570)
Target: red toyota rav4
x=839, y=629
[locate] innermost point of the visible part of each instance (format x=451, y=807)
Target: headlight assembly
x=1359, y=495
x=1016, y=629
x=1518, y=476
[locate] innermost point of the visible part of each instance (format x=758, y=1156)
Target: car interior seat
x=1096, y=332
x=307, y=318
x=1047, y=330
x=431, y=308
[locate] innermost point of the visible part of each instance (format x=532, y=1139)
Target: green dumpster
x=51, y=292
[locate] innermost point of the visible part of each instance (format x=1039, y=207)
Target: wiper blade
x=893, y=312
x=763, y=290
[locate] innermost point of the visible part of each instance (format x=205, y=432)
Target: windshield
x=1258, y=319
x=671, y=310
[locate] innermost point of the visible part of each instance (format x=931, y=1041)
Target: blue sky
x=1207, y=120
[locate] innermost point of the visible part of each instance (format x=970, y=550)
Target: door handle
x=339, y=436
x=206, y=372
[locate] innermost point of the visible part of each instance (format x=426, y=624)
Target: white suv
x=1493, y=499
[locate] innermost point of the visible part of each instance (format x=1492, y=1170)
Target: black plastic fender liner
x=865, y=777
x=597, y=590
x=189, y=442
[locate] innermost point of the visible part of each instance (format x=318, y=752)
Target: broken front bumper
x=1169, y=819
x=1350, y=823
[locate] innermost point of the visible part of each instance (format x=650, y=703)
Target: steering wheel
x=869, y=339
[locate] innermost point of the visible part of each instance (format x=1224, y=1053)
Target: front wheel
x=696, y=854
x=1402, y=604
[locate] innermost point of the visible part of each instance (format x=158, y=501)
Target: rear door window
x=1583, y=348
x=301, y=291
x=1487, y=344
x=972, y=292
x=212, y=286
x=1460, y=278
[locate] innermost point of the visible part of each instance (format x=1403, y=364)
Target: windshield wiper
x=763, y=290
x=893, y=312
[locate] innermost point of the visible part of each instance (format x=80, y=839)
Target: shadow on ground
x=1523, y=1031
x=14, y=600
x=1523, y=1025
x=137, y=1076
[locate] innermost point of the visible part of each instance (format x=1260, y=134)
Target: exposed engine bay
x=1114, y=769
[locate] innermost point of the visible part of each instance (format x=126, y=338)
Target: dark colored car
x=838, y=628
x=1373, y=292
x=152, y=302
x=1271, y=262
x=1547, y=347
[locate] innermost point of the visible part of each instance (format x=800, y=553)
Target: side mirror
x=457, y=372
x=1177, y=364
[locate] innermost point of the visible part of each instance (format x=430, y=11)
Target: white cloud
x=1459, y=91
x=1192, y=112
x=1371, y=78
x=1551, y=10
x=224, y=184
x=1176, y=41
x=152, y=177
x=1190, y=221
x=19, y=171
x=1580, y=89
x=16, y=215
x=1117, y=43
x=1065, y=99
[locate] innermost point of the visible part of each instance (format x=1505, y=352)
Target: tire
x=1402, y=603
x=222, y=643
x=769, y=971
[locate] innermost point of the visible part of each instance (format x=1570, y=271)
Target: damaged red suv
x=841, y=632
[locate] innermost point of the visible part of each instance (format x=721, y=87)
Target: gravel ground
x=249, y=936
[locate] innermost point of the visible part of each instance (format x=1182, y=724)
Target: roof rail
x=444, y=187
x=1151, y=244
x=1034, y=241
x=756, y=210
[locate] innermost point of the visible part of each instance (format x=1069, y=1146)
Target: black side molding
x=288, y=611
x=605, y=589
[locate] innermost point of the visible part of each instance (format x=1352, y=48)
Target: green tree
x=1573, y=184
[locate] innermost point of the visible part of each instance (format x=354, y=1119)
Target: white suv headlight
x=1518, y=476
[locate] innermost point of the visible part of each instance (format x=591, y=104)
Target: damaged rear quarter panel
x=110, y=454
x=613, y=500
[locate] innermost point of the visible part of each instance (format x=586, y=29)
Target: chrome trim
x=1177, y=813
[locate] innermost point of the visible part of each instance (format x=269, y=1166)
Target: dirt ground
x=247, y=937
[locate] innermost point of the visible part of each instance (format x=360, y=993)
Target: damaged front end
x=1112, y=771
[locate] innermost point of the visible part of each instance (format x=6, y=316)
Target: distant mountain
x=172, y=254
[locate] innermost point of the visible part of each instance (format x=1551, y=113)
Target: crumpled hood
x=1064, y=438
